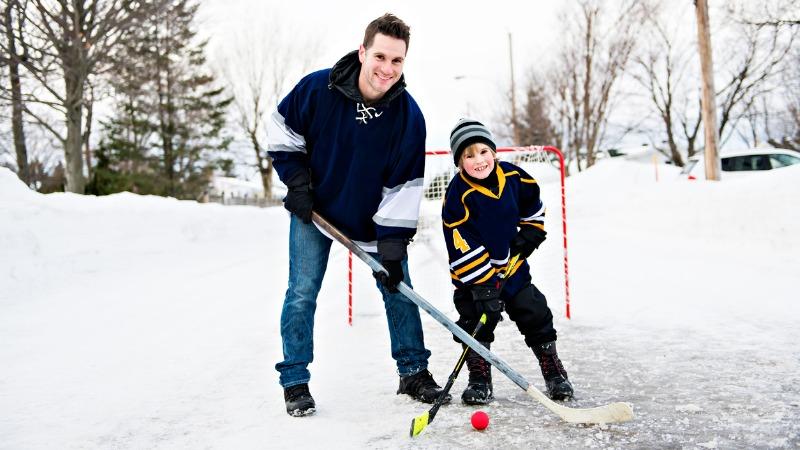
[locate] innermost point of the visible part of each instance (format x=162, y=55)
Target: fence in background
x=245, y=200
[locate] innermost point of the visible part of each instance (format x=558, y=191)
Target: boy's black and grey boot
x=555, y=377
x=422, y=387
x=479, y=389
x=299, y=401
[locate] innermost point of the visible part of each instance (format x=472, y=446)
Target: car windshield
x=783, y=160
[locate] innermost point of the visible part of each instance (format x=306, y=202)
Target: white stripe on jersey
x=282, y=138
x=474, y=274
x=400, y=205
x=468, y=256
x=538, y=215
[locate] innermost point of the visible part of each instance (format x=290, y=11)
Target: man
x=349, y=142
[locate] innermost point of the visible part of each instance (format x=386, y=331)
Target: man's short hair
x=389, y=25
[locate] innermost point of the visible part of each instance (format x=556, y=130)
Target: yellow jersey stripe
x=524, y=180
x=472, y=264
x=488, y=275
x=466, y=210
x=534, y=224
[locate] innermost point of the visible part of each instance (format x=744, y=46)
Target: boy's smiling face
x=478, y=160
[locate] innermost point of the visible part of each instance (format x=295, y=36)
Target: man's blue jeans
x=308, y=259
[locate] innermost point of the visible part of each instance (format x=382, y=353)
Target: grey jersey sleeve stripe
x=400, y=205
x=281, y=138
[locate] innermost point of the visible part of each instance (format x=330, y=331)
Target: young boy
x=492, y=211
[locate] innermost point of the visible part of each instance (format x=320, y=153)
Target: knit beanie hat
x=468, y=132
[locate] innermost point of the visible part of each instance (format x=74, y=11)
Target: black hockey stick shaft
x=419, y=423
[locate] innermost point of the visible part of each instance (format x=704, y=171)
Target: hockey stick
x=613, y=412
x=420, y=422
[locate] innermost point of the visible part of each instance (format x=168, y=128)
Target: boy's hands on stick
x=527, y=240
x=487, y=301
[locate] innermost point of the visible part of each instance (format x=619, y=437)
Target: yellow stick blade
x=418, y=424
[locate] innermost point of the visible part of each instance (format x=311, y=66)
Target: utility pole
x=514, y=127
x=709, y=106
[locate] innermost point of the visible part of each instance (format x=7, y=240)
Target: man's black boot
x=422, y=387
x=299, y=401
x=555, y=377
x=479, y=388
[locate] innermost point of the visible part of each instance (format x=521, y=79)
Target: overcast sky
x=448, y=39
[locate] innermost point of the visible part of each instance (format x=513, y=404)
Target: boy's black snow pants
x=528, y=309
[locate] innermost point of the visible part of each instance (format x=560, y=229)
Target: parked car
x=742, y=162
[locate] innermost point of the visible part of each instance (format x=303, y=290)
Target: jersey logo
x=367, y=113
x=459, y=242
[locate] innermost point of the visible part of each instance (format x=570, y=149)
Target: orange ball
x=480, y=420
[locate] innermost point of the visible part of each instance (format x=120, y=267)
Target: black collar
x=344, y=77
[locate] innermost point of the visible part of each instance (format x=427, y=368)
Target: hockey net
x=546, y=165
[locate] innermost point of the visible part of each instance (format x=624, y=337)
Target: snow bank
x=141, y=322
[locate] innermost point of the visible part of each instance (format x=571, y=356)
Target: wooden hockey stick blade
x=611, y=413
x=601, y=414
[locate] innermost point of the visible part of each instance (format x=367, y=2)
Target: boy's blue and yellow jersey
x=479, y=225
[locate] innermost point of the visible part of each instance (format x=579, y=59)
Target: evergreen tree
x=167, y=135
x=534, y=124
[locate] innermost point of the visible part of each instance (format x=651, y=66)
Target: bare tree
x=81, y=34
x=690, y=120
x=755, y=58
x=259, y=63
x=749, y=65
x=592, y=61
x=661, y=69
x=534, y=123
x=12, y=25
x=787, y=134
x=771, y=13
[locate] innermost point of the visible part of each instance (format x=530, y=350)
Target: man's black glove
x=299, y=200
x=487, y=301
x=393, y=252
x=526, y=241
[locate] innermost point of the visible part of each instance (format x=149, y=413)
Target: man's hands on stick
x=392, y=252
x=299, y=199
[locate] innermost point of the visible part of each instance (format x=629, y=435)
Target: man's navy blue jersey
x=479, y=224
x=366, y=162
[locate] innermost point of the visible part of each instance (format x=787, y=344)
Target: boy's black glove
x=487, y=301
x=393, y=252
x=299, y=199
x=526, y=241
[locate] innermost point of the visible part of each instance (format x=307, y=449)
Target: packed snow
x=131, y=321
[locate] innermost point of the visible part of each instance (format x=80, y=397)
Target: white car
x=741, y=162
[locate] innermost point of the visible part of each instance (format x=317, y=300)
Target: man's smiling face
x=381, y=66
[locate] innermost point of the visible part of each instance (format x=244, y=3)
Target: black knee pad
x=529, y=310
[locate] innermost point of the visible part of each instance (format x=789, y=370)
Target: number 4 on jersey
x=459, y=242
